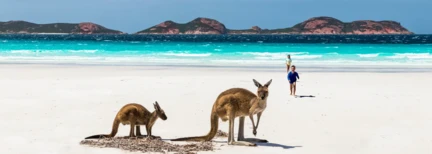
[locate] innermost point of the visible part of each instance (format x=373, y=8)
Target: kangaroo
x=135, y=115
x=232, y=103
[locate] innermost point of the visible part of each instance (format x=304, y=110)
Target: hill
x=316, y=25
x=69, y=28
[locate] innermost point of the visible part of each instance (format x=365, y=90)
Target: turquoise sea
x=132, y=52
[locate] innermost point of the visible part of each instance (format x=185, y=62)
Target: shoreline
x=282, y=69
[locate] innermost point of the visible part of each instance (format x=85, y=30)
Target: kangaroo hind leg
x=231, y=140
x=132, y=120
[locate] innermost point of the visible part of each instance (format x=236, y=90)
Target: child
x=288, y=62
x=292, y=78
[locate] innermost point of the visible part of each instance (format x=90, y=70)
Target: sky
x=134, y=15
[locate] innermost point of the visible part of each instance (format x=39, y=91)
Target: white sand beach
x=49, y=109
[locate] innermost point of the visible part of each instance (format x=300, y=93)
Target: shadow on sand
x=301, y=96
x=277, y=145
x=268, y=144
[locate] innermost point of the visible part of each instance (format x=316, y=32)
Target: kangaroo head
x=159, y=111
x=262, y=91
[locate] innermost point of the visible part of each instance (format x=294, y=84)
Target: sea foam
x=368, y=55
x=411, y=56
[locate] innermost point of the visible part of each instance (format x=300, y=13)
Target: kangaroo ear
x=257, y=83
x=155, y=106
x=268, y=83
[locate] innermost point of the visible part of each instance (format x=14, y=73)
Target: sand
x=49, y=109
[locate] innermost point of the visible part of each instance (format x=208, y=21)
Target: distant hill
x=316, y=25
x=70, y=28
x=196, y=26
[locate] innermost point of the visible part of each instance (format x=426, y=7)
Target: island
x=25, y=27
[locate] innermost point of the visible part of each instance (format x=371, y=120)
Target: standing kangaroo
x=135, y=115
x=232, y=103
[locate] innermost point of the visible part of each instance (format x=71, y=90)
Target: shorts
x=292, y=82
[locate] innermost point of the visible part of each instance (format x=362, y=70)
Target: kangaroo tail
x=214, y=120
x=97, y=136
x=114, y=130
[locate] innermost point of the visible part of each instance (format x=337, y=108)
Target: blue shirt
x=293, y=76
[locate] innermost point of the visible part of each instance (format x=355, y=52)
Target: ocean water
x=123, y=51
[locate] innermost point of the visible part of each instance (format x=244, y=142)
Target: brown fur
x=232, y=103
x=135, y=115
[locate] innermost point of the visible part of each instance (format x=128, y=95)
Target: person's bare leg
x=288, y=67
x=294, y=88
x=291, y=89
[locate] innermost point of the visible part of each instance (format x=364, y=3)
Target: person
x=292, y=79
x=288, y=62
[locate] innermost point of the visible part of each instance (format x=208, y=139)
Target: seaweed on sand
x=146, y=145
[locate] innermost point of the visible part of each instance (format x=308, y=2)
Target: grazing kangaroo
x=135, y=115
x=232, y=103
